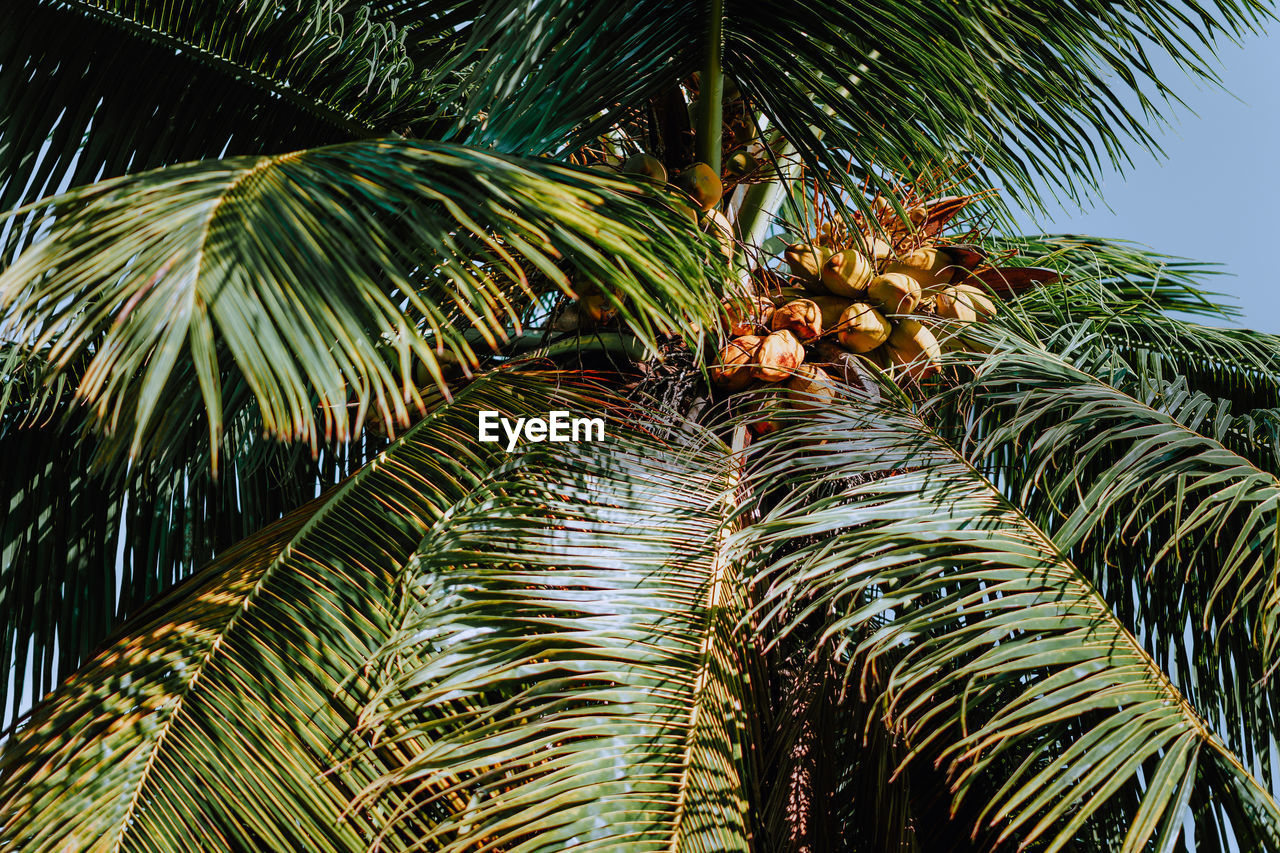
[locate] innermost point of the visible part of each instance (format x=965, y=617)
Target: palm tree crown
x=905, y=533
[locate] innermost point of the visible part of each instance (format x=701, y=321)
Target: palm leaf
x=568, y=669
x=213, y=718
x=1121, y=481
x=989, y=652
x=328, y=274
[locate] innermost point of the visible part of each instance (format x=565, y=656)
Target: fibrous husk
x=718, y=225
x=805, y=260
x=732, y=369
x=802, y=316
x=964, y=303
x=645, y=166
x=929, y=267
x=811, y=388
x=746, y=314
x=913, y=347
x=701, y=184
x=894, y=293
x=983, y=305
x=847, y=274
x=862, y=328
x=779, y=353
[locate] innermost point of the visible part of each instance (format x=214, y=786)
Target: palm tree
x=267, y=262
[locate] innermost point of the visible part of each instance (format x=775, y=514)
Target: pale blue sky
x=1214, y=196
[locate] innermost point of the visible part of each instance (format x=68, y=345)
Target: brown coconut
x=913, y=347
x=847, y=274
x=862, y=328
x=805, y=260
x=811, y=388
x=894, y=293
x=747, y=314
x=732, y=369
x=778, y=355
x=802, y=316
x=597, y=306
x=701, y=184
x=930, y=267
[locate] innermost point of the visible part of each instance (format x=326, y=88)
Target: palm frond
x=328, y=275
x=1029, y=94
x=990, y=654
x=568, y=669
x=215, y=716
x=1121, y=482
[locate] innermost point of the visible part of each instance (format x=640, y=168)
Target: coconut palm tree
x=269, y=264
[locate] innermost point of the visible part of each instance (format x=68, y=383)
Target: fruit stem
x=711, y=92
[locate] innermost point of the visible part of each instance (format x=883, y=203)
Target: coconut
x=732, y=368
x=597, y=306
x=746, y=314
x=806, y=260
x=930, y=267
x=913, y=347
x=831, y=307
x=847, y=273
x=718, y=225
x=701, y=184
x=764, y=412
x=811, y=388
x=862, y=328
x=571, y=319
x=778, y=355
x=447, y=362
x=981, y=301
x=740, y=164
x=894, y=292
x=646, y=166
x=802, y=316
x=954, y=304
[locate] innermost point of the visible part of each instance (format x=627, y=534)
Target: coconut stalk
x=711, y=92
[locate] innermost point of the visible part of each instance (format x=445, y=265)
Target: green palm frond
x=213, y=719
x=568, y=669
x=1123, y=482
x=990, y=653
x=86, y=545
x=327, y=275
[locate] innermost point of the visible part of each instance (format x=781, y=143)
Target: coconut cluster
x=851, y=303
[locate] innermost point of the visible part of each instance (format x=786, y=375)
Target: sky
x=1213, y=196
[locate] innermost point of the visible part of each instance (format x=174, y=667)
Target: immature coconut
x=811, y=388
x=764, y=410
x=718, y=225
x=778, y=355
x=847, y=273
x=802, y=316
x=914, y=347
x=862, y=328
x=930, y=267
x=955, y=304
x=740, y=164
x=831, y=307
x=806, y=260
x=646, y=166
x=701, y=184
x=895, y=293
x=981, y=301
x=597, y=306
x=746, y=314
x=732, y=368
